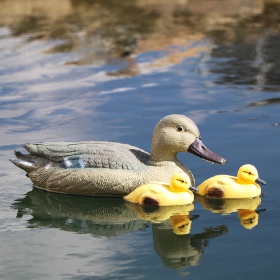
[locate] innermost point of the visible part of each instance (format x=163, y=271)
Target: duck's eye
x=180, y=128
x=250, y=173
x=182, y=181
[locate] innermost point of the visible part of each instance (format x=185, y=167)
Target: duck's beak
x=260, y=181
x=199, y=149
x=193, y=188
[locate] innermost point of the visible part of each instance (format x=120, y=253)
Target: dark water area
x=110, y=70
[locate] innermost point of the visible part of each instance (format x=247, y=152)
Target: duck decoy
x=178, y=192
x=245, y=185
x=95, y=168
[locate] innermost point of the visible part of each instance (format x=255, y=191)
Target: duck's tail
x=23, y=161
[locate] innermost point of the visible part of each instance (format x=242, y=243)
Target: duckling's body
x=225, y=186
x=163, y=194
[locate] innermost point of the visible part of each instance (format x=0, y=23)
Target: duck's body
x=162, y=194
x=113, y=169
x=225, y=186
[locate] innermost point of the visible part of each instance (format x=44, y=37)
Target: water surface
x=109, y=70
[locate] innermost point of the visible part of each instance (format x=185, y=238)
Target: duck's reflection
x=97, y=216
x=171, y=227
x=109, y=217
x=246, y=208
x=178, y=251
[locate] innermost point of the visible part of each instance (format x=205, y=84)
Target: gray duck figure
x=100, y=168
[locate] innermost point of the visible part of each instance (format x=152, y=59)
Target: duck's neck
x=162, y=153
x=159, y=154
x=242, y=181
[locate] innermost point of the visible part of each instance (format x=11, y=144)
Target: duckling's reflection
x=177, y=216
x=246, y=208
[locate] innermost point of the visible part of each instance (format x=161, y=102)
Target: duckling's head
x=180, y=182
x=248, y=174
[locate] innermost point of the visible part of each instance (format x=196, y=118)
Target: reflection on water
x=245, y=34
x=270, y=101
x=119, y=39
x=246, y=208
x=179, y=216
x=182, y=250
x=99, y=217
x=110, y=217
x=238, y=64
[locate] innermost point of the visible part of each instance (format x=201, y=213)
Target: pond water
x=109, y=70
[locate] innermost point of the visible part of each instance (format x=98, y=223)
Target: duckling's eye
x=250, y=173
x=180, y=128
x=182, y=181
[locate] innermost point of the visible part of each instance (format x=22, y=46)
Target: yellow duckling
x=225, y=186
x=162, y=194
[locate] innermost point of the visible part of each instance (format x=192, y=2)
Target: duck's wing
x=90, y=154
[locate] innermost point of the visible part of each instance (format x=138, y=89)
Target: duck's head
x=248, y=174
x=178, y=133
x=180, y=182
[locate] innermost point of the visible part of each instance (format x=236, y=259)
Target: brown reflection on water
x=265, y=102
x=110, y=30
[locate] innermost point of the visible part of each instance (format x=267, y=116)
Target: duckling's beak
x=260, y=181
x=199, y=149
x=193, y=188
